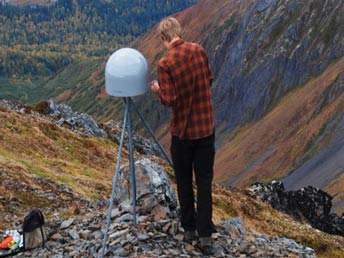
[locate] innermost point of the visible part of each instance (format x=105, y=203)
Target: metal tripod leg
x=151, y=133
x=115, y=179
x=129, y=104
x=131, y=160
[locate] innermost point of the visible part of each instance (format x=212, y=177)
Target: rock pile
x=308, y=204
x=14, y=105
x=154, y=236
x=157, y=238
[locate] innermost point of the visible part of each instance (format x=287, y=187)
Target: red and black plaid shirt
x=185, y=79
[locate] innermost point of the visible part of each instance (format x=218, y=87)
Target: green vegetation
x=41, y=40
x=34, y=169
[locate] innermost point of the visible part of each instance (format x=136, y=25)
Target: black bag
x=34, y=232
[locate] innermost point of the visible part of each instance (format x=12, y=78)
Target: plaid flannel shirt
x=185, y=79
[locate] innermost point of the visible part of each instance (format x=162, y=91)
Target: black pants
x=197, y=155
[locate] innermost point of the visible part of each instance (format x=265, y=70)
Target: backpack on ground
x=34, y=231
x=34, y=235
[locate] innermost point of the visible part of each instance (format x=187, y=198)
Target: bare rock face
x=154, y=191
x=309, y=204
x=273, y=47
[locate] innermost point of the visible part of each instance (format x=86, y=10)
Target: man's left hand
x=155, y=88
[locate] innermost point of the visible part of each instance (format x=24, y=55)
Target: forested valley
x=39, y=40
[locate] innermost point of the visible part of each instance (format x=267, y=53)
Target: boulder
x=153, y=188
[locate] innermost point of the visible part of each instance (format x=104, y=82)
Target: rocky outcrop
x=308, y=204
x=81, y=123
x=155, y=236
x=61, y=114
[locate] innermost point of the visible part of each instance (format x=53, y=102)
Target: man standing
x=184, y=81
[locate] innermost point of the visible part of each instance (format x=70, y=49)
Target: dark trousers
x=197, y=155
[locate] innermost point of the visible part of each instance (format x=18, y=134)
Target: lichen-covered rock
x=152, y=184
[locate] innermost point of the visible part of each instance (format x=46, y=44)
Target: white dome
x=126, y=73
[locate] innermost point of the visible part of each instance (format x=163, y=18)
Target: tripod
x=129, y=105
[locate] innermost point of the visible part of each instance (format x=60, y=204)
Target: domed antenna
x=126, y=75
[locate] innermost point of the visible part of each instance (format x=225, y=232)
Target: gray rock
x=115, y=213
x=97, y=235
x=234, y=228
x=308, y=203
x=123, y=218
x=74, y=235
x=119, y=233
x=152, y=183
x=143, y=237
x=85, y=234
x=67, y=223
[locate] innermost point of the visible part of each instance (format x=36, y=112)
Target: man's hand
x=155, y=86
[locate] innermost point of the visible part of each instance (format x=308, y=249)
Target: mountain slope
x=278, y=88
x=61, y=172
x=264, y=55
x=277, y=91
x=298, y=128
x=258, y=50
x=33, y=144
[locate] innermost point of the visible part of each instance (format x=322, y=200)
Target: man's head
x=169, y=29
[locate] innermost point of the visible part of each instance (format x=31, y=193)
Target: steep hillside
x=70, y=175
x=60, y=51
x=278, y=89
x=258, y=50
x=306, y=123
x=32, y=145
x=213, y=17
x=277, y=93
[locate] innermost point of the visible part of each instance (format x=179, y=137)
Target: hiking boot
x=206, y=245
x=189, y=236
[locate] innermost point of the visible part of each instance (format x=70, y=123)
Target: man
x=184, y=81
